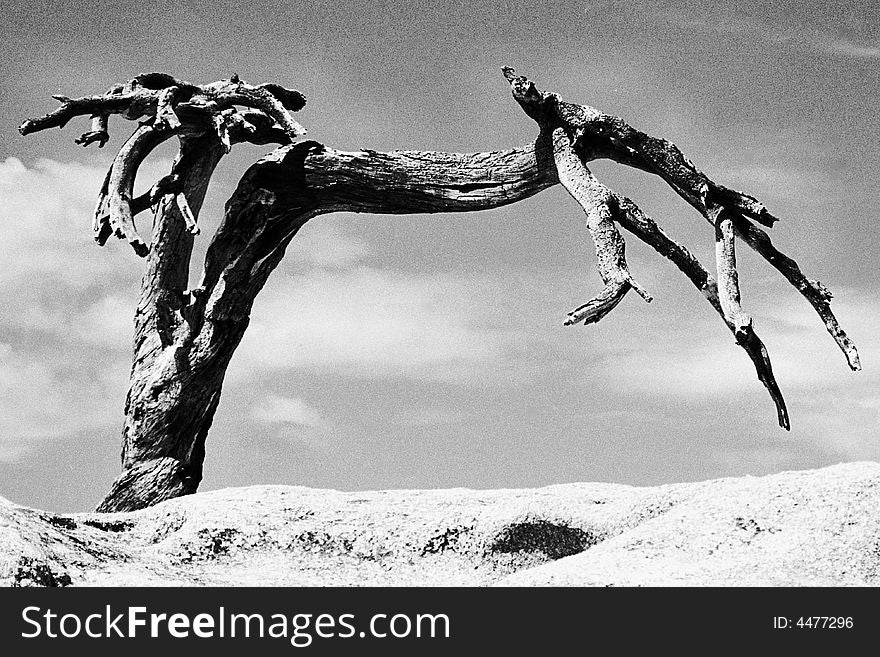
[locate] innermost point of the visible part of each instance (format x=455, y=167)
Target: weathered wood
x=183, y=342
x=737, y=319
x=158, y=95
x=817, y=294
x=184, y=339
x=598, y=204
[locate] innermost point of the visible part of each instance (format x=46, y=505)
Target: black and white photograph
x=560, y=298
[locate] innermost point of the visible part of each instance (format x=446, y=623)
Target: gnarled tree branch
x=598, y=204
x=184, y=339
x=594, y=134
x=738, y=321
x=639, y=224
x=172, y=105
x=295, y=183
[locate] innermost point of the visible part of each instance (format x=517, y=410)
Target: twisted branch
x=159, y=94
x=284, y=190
x=738, y=321
x=172, y=106
x=120, y=185
x=596, y=200
x=642, y=226
x=592, y=134
x=817, y=294
x=599, y=135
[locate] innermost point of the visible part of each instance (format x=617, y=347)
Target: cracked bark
x=184, y=339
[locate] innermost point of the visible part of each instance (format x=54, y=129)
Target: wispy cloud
x=818, y=41
x=275, y=410
x=44, y=226
x=375, y=323
x=324, y=242
x=679, y=364
x=838, y=46
x=703, y=362
x=63, y=363
x=67, y=305
x=293, y=420
x=42, y=400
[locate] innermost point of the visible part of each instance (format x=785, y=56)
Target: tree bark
x=185, y=339
x=172, y=396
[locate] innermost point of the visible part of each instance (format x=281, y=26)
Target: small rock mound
x=556, y=540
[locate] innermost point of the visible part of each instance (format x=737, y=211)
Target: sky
x=429, y=351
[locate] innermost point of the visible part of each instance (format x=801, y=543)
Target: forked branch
x=304, y=179
x=599, y=205
x=642, y=226
x=592, y=134
x=172, y=107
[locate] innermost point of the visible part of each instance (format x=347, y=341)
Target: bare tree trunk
x=172, y=394
x=185, y=339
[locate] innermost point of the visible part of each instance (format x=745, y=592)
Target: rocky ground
x=818, y=527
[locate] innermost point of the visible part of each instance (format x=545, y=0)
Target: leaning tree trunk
x=181, y=357
x=174, y=389
x=184, y=339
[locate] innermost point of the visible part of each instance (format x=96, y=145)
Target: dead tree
x=184, y=338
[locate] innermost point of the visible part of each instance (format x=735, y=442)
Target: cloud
x=835, y=413
x=375, y=323
x=66, y=323
x=45, y=228
x=703, y=362
x=835, y=410
x=44, y=400
x=818, y=41
x=107, y=322
x=838, y=46
x=292, y=419
x=75, y=321
x=276, y=410
x=324, y=242
x=61, y=326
